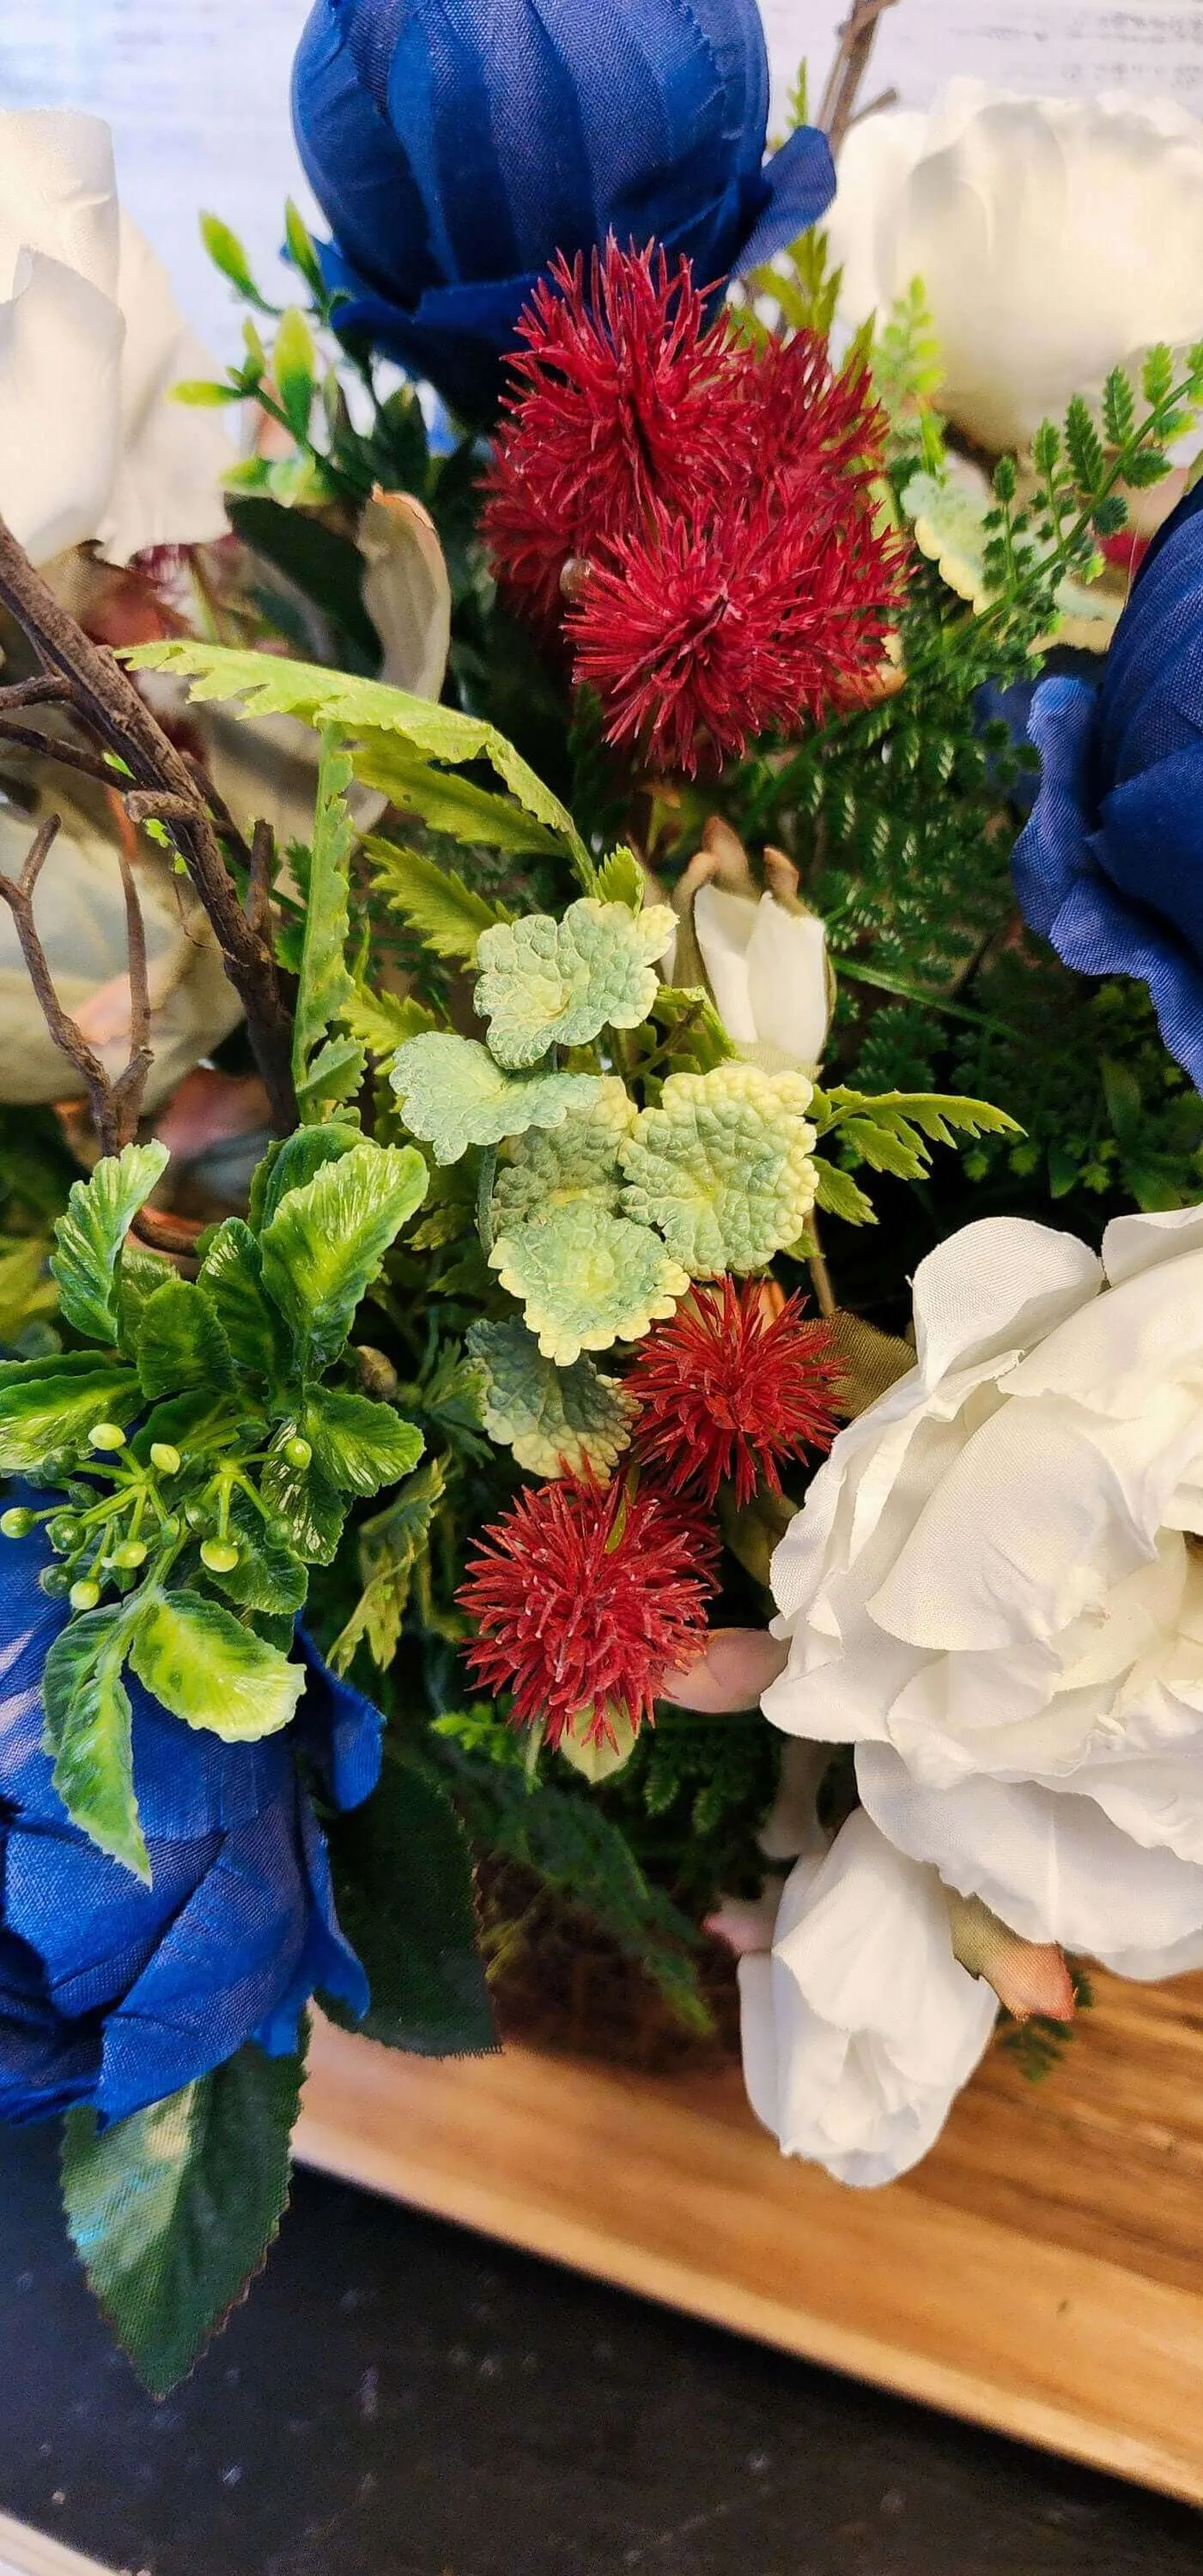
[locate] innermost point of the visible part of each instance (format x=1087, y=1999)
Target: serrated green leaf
x=696, y=1038
x=327, y=1068
x=209, y=1670
x=723, y=1167
x=446, y=914
x=326, y=1241
x=403, y=1887
x=382, y=1021
x=839, y=1195
x=1157, y=375
x=587, y=1279
x=309, y=1509
x=48, y=1407
x=89, y=1733
x=559, y=983
x=360, y=1445
x=450, y=804
x=269, y=1576
x=290, y=1164
x=571, y=1421
x=181, y=1343
x=578, y=1159
x=620, y=879
x=173, y=2211
x=1084, y=447
x=90, y=1233
x=452, y=1094
x=389, y=1547
x=1119, y=407
x=231, y=1275
x=140, y=1275
x=889, y=1132
x=367, y=711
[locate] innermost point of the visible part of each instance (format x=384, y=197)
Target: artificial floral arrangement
x=559, y=1366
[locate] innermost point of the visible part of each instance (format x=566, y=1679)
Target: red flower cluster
x=705, y=506
x=727, y=1389
x=584, y=1596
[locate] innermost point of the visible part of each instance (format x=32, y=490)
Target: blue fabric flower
x=1110, y=867
x=115, y=1994
x=456, y=145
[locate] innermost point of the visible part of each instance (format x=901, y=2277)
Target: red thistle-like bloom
x=727, y=1389
x=626, y=399
x=584, y=1595
x=697, y=638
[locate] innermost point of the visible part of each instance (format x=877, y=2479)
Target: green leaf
x=307, y=1506
x=587, y=1278
x=173, y=2211
x=231, y=1276
x=1119, y=408
x=48, y=1407
x=368, y=711
x=269, y=1576
x=893, y=1131
x=571, y=1421
x=288, y=1166
x=839, y=1195
x=382, y=1022
x=88, y=1732
x=294, y=367
x=620, y=879
x=326, y=1241
x=140, y=1276
x=450, y=804
x=723, y=1167
x=696, y=1041
x=327, y=1070
x=1084, y=447
x=25, y=1289
x=360, y=1445
x=227, y=254
x=181, y=1343
x=559, y=983
x=211, y=1671
x=453, y=1095
x=1157, y=375
x=389, y=1547
x=403, y=1887
x=90, y=1233
x=576, y=1160
x=446, y=914
x=302, y=251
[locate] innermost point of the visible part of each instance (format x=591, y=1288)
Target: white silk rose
x=762, y=954
x=91, y=342
x=1054, y=237
x=861, y=2026
x=995, y=1588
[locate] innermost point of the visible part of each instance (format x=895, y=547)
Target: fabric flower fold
x=861, y=2026
x=995, y=1588
x=455, y=150
x=114, y=1994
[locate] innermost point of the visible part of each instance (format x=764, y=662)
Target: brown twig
x=104, y=701
x=858, y=35
x=259, y=884
x=53, y=746
x=114, y=1106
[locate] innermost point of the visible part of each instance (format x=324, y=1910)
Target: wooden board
x=1042, y=2273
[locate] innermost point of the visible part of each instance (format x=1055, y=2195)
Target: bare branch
x=130, y=1089
x=858, y=35
x=44, y=691
x=53, y=746
x=102, y=1099
x=259, y=888
x=103, y=699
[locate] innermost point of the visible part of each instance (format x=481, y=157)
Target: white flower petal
x=167, y=488
x=60, y=361
x=723, y=925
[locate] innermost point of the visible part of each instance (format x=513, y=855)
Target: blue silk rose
x=114, y=1994
x=456, y=145
x=1110, y=867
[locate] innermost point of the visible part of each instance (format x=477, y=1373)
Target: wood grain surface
x=1042, y=2273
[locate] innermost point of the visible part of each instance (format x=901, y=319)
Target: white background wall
x=197, y=90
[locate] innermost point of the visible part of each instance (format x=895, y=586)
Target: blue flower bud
x=455, y=147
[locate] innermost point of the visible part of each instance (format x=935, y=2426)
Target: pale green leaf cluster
x=586, y=1278
x=560, y=983
x=453, y=1094
x=558, y=1421
x=724, y=1167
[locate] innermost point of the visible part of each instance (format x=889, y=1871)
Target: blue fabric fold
x=1110, y=866
x=456, y=145
x=115, y=1994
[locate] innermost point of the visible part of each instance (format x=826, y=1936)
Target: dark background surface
x=399, y=2398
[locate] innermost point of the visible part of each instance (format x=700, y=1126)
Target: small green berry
x=219, y=1554
x=130, y=1553
x=64, y=1531
x=171, y=1525
x=107, y=1435
x=298, y=1452
x=18, y=1523
x=54, y=1581
x=84, y=1595
x=165, y=1458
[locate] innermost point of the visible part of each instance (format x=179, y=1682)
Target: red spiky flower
x=727, y=1389
x=699, y=637
x=584, y=1595
x=626, y=398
